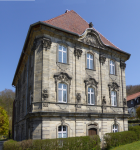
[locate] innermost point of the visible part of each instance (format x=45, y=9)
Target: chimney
x=67, y=11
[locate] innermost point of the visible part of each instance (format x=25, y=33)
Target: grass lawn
x=132, y=146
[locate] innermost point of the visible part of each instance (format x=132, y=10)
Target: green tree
x=4, y=122
x=7, y=97
x=138, y=112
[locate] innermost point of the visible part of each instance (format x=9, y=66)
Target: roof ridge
x=57, y=16
x=133, y=94
x=79, y=16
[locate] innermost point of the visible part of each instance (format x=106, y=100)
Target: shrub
x=4, y=122
x=136, y=129
x=119, y=138
x=72, y=143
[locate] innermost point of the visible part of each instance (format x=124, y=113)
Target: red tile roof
x=71, y=21
x=133, y=96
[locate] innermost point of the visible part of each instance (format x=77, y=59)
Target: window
x=115, y=128
x=91, y=96
x=113, y=98
x=62, y=54
x=138, y=100
x=62, y=132
x=89, y=61
x=131, y=101
x=62, y=92
x=112, y=67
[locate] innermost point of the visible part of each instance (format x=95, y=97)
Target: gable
x=72, y=22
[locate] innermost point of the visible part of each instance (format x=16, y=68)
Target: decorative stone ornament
x=45, y=104
x=90, y=25
x=102, y=59
x=77, y=52
x=114, y=86
x=122, y=65
x=62, y=120
x=115, y=120
x=104, y=100
x=78, y=97
x=46, y=42
x=62, y=76
x=91, y=81
x=124, y=101
x=45, y=94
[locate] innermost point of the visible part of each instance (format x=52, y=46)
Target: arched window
x=62, y=54
x=114, y=98
x=90, y=61
x=112, y=67
x=115, y=128
x=62, y=132
x=91, y=96
x=62, y=92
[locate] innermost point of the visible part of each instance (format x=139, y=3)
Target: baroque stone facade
x=39, y=111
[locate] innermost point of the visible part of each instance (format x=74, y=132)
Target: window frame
x=62, y=92
x=115, y=67
x=113, y=100
x=94, y=62
x=57, y=55
x=95, y=94
x=61, y=132
x=114, y=129
x=90, y=96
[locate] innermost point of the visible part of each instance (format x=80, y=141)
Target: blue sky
x=117, y=20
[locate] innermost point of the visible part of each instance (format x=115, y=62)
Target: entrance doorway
x=92, y=131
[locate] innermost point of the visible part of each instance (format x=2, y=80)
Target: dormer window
x=62, y=54
x=112, y=67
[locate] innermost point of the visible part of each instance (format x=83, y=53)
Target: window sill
x=90, y=69
x=91, y=104
x=62, y=63
x=62, y=102
x=112, y=74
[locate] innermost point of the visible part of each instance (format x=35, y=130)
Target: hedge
x=73, y=143
x=120, y=138
x=136, y=129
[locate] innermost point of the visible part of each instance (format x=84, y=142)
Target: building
x=70, y=81
x=133, y=102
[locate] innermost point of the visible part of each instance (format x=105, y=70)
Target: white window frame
x=62, y=54
x=113, y=96
x=62, y=89
x=89, y=59
x=90, y=93
x=115, y=128
x=131, y=101
x=112, y=64
x=61, y=132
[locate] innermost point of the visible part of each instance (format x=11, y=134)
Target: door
x=92, y=131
